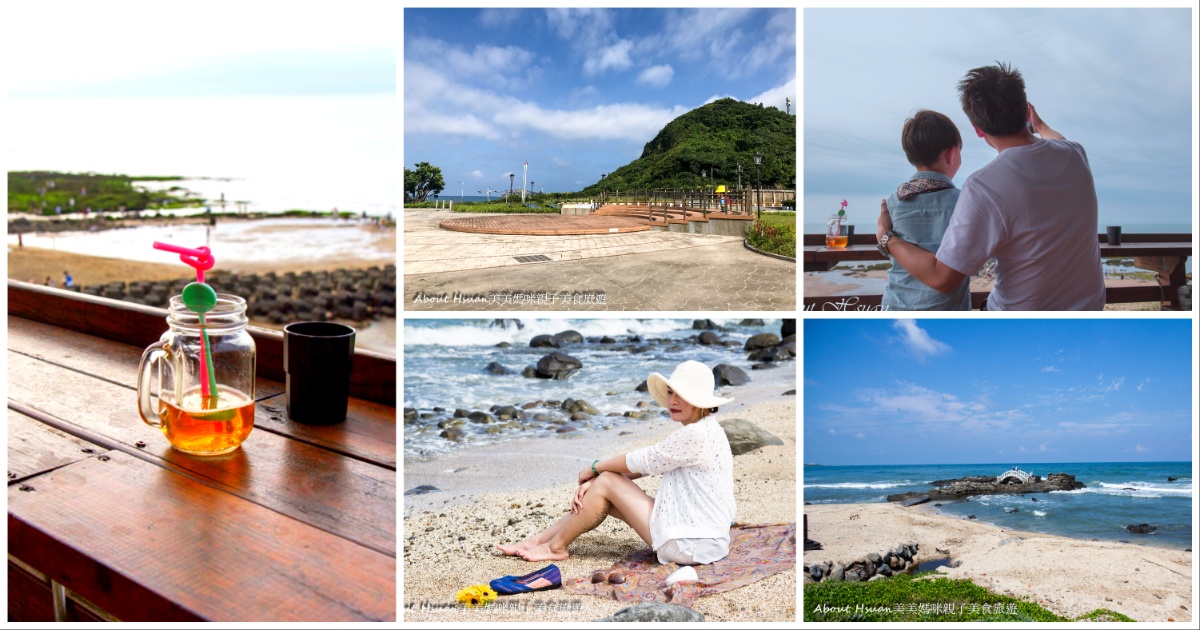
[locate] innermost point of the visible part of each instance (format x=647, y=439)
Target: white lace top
x=695, y=498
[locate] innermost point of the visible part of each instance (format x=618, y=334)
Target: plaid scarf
x=914, y=187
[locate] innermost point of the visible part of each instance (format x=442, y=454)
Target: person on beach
x=688, y=522
x=68, y=281
x=1033, y=208
x=921, y=208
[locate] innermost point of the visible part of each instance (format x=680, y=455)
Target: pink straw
x=200, y=259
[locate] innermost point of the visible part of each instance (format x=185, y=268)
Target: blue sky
x=1117, y=81
x=575, y=92
x=997, y=391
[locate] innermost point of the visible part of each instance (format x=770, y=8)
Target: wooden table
x=1165, y=254
x=107, y=521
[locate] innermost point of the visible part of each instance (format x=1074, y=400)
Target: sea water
x=1117, y=494
x=444, y=363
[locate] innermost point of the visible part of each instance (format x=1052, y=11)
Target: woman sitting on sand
x=688, y=523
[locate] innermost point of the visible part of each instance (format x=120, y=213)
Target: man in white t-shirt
x=1033, y=209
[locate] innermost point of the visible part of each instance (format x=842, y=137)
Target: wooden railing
x=1164, y=254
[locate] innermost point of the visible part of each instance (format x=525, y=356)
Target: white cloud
x=656, y=76
x=1141, y=449
x=1051, y=368
x=477, y=174
x=1143, y=384
x=832, y=431
x=615, y=57
x=1043, y=448
x=918, y=340
x=860, y=436
x=775, y=96
x=1089, y=426
x=1022, y=449
x=1118, y=383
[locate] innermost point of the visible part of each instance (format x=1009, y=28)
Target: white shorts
x=693, y=551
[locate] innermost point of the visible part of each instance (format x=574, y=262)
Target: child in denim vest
x=920, y=210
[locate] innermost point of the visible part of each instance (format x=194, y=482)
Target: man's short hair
x=926, y=135
x=993, y=97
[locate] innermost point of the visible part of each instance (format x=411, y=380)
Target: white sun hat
x=694, y=383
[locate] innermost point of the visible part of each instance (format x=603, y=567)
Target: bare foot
x=515, y=549
x=538, y=553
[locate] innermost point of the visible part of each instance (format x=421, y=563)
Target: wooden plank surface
x=373, y=377
x=339, y=494
x=34, y=448
x=147, y=544
x=369, y=432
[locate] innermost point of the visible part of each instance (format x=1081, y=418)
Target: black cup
x=318, y=358
x=1114, y=235
x=849, y=235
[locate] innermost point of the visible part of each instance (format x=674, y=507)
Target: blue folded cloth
x=540, y=580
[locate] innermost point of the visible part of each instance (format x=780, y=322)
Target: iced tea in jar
x=196, y=384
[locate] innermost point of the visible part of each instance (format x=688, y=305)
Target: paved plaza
x=640, y=271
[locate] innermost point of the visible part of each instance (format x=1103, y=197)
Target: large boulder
x=1144, y=528
x=760, y=341
x=654, y=612
x=558, y=366
x=709, y=338
x=729, y=375
x=568, y=336
x=544, y=341
x=787, y=328
x=705, y=324
x=745, y=436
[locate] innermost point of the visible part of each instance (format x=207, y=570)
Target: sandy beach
x=505, y=492
x=1069, y=577
x=817, y=284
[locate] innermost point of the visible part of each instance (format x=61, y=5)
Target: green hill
x=714, y=138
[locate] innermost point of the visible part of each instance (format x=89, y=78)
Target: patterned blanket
x=755, y=552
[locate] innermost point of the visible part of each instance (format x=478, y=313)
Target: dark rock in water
x=751, y=322
x=960, y=489
x=504, y=344
x=564, y=429
x=704, y=324
x=708, y=338
x=544, y=341
x=454, y=433
x=760, y=341
x=1144, y=528
x=790, y=392
x=424, y=489
x=937, y=505
x=1171, y=479
x=607, y=339
x=745, y=436
x=787, y=328
x=970, y=517
x=642, y=387
x=505, y=323
x=461, y=413
x=1128, y=488
x=496, y=368
x=529, y=372
x=654, y=612
x=1012, y=510
x=764, y=366
x=480, y=417
x=1034, y=499
x=510, y=412
x=729, y=375
x=410, y=415
x=568, y=336
x=774, y=353
x=558, y=366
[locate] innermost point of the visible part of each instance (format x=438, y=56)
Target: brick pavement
x=657, y=271
x=544, y=224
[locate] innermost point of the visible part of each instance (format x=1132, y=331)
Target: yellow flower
x=479, y=595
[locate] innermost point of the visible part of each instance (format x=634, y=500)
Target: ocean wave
x=1173, y=488
x=851, y=484
x=1038, y=513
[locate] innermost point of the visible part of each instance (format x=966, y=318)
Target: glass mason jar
x=837, y=231
x=204, y=407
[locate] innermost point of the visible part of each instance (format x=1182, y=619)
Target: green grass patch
x=1103, y=614
x=774, y=233
x=496, y=206
x=908, y=598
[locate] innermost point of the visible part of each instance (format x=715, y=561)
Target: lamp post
x=510, y=185
x=602, y=176
x=758, y=181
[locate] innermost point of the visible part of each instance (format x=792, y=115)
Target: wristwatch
x=883, y=243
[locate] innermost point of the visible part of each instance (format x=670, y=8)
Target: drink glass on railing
x=837, y=231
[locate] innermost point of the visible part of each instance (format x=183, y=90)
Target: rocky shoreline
x=347, y=294
x=960, y=489
x=571, y=415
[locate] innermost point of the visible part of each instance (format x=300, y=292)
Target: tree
x=423, y=182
